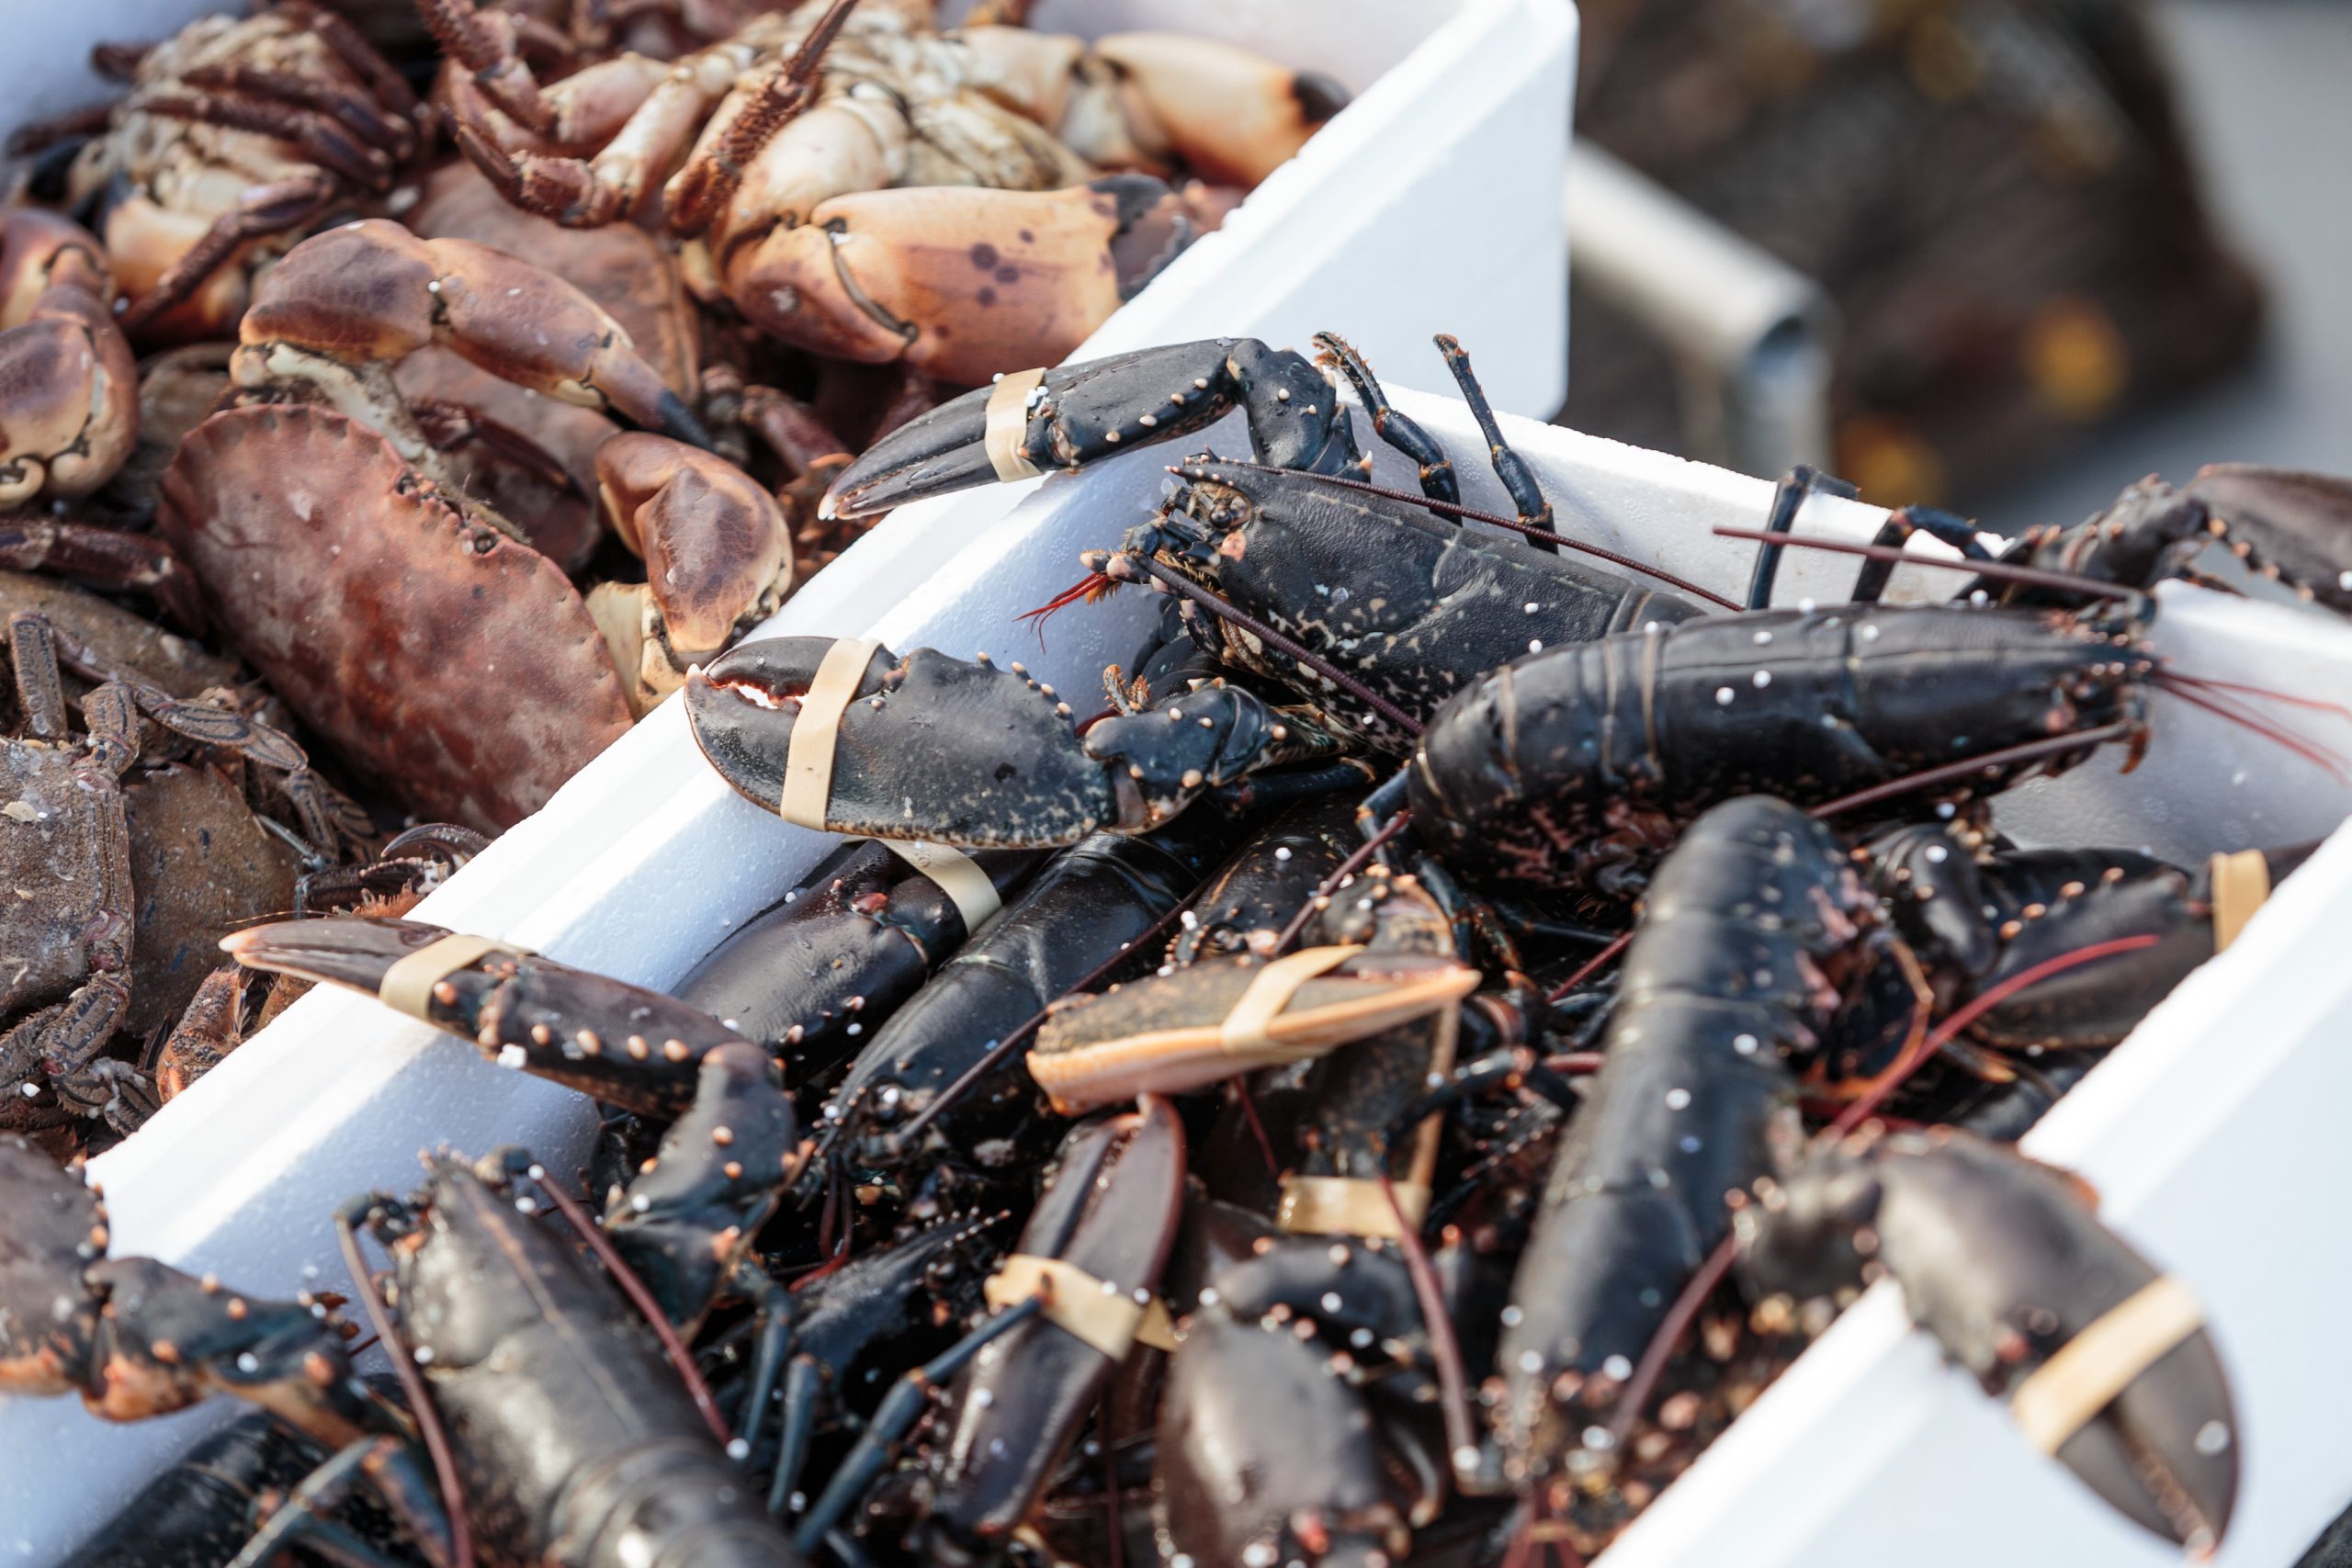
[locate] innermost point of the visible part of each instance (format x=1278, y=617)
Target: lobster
x=1722, y=1000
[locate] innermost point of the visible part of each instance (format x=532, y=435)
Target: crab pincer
x=2106, y=1364
x=631, y=1047
x=371, y=293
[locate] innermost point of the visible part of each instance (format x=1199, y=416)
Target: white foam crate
x=1428, y=205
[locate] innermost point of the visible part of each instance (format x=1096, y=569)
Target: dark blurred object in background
x=1994, y=194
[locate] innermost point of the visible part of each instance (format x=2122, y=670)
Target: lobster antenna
x=2319, y=756
x=2207, y=683
x=1445, y=1351
x=2024, y=575
x=634, y=1288
x=1089, y=588
x=1306, y=658
x=1472, y=514
x=1586, y=970
x=420, y=1401
x=1968, y=767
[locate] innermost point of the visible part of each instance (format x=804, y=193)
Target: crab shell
x=458, y=665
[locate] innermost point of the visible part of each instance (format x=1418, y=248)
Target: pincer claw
x=2107, y=1364
x=848, y=738
x=632, y=1047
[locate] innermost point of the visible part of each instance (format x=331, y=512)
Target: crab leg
x=102, y=555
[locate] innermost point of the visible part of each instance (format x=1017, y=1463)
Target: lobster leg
x=901, y=1408
x=1788, y=499
x=1518, y=479
x=1436, y=474
x=1869, y=583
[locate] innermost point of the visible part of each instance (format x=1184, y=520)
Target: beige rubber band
x=1269, y=991
x=2093, y=1368
x=958, y=875
x=809, y=759
x=408, y=985
x=1076, y=1302
x=1348, y=1205
x=1008, y=425
x=2241, y=886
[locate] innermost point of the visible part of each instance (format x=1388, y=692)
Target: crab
x=798, y=143
x=71, y=859
x=402, y=617
x=237, y=133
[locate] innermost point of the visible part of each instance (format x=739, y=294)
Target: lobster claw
x=2003, y=1262
x=622, y=1043
x=2285, y=523
x=1077, y=413
x=1094, y=1249
x=1168, y=1033
x=926, y=747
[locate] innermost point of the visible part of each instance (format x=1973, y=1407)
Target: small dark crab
x=66, y=845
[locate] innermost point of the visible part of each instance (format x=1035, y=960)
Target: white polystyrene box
x=1428, y=205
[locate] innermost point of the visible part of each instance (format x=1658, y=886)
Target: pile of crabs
x=384, y=429
x=1394, y=1083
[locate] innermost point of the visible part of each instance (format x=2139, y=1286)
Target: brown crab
x=236, y=132
x=406, y=621
x=798, y=141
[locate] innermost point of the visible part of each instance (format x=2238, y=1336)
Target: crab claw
x=370, y=293
x=2003, y=1262
x=1023, y=277
x=625, y=1045
x=717, y=551
x=1234, y=117
x=928, y=746
x=69, y=387
x=1168, y=1033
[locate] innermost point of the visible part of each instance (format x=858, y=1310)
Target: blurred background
x=1999, y=255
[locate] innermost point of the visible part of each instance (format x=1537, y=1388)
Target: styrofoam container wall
x=1428, y=205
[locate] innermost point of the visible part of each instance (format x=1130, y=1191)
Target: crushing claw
x=634, y=1048
x=883, y=758
x=2107, y=1364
